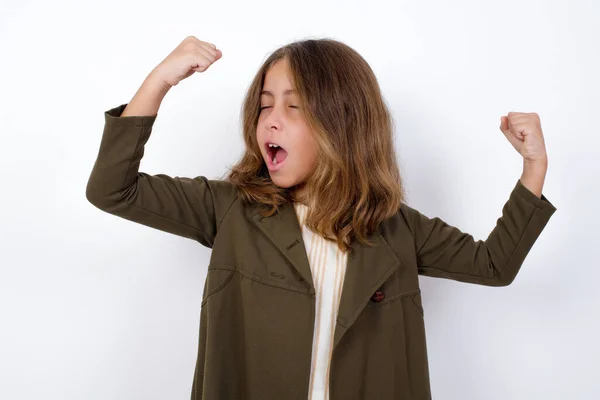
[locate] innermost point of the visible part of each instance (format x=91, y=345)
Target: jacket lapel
x=367, y=269
x=283, y=229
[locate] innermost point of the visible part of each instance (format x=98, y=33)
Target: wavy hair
x=356, y=183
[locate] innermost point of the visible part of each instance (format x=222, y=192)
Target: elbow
x=501, y=273
x=99, y=198
x=110, y=201
x=95, y=196
x=503, y=278
x=505, y=281
x=91, y=194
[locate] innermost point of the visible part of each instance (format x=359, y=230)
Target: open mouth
x=276, y=153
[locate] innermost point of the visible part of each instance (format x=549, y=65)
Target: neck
x=300, y=195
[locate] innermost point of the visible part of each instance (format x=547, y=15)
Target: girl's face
x=286, y=143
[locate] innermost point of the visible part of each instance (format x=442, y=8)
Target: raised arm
x=188, y=207
x=445, y=251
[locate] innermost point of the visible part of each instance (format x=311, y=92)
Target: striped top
x=328, y=268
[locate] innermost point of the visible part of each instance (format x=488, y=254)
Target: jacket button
x=378, y=296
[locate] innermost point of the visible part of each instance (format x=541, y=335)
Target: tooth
x=274, y=160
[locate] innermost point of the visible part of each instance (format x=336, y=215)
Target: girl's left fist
x=524, y=132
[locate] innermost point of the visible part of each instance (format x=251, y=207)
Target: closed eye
x=262, y=108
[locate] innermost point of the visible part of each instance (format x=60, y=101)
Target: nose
x=273, y=120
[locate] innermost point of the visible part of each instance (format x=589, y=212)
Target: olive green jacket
x=258, y=307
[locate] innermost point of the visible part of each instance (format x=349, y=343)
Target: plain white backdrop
x=96, y=307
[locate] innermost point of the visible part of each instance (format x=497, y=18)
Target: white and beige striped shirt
x=328, y=268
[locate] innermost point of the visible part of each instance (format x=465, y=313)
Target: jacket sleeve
x=445, y=251
x=188, y=207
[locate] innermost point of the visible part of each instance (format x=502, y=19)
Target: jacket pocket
x=216, y=280
x=416, y=300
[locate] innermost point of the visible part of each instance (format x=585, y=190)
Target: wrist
x=533, y=176
x=535, y=166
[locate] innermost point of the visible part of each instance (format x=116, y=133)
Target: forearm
x=148, y=98
x=533, y=176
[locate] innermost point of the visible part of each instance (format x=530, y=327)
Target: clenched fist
x=524, y=132
x=191, y=55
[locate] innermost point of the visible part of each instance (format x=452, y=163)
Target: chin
x=282, y=182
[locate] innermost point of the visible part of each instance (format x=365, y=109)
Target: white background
x=97, y=307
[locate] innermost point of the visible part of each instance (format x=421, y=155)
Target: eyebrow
x=289, y=91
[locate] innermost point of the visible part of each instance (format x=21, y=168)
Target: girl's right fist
x=192, y=55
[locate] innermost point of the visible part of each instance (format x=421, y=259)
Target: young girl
x=312, y=289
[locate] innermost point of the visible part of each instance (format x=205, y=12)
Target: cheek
x=258, y=137
x=313, y=148
x=310, y=154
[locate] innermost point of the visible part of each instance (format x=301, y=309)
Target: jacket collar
x=367, y=269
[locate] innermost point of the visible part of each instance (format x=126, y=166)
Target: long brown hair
x=356, y=183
